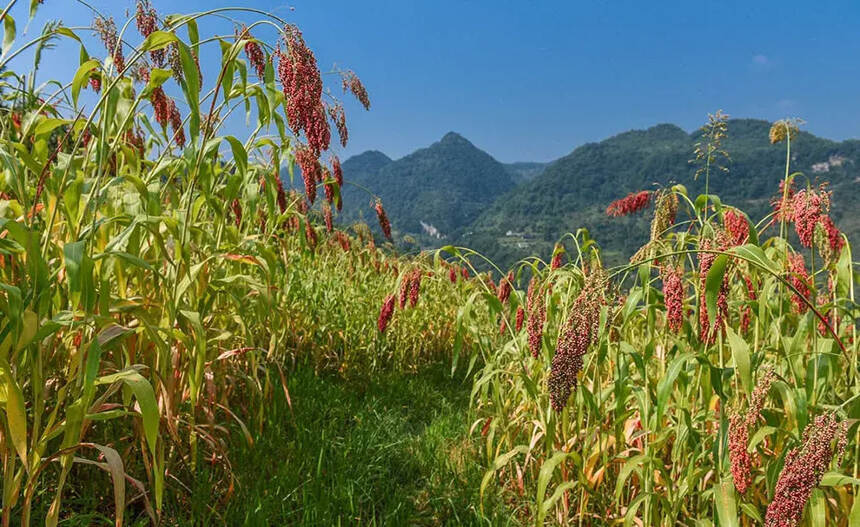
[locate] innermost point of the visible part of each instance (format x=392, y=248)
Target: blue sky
x=532, y=80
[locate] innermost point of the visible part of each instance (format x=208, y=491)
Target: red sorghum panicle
x=328, y=188
x=741, y=461
x=310, y=233
x=282, y=195
x=673, y=296
x=808, y=207
x=737, y=227
x=352, y=83
x=254, y=52
x=633, y=202
x=537, y=316
x=385, y=313
x=557, y=256
x=176, y=125
x=759, y=394
x=739, y=429
x=161, y=106
x=302, y=86
x=782, y=208
x=502, y=326
x=415, y=287
x=310, y=167
x=327, y=217
x=521, y=315
x=579, y=332
x=106, y=30
x=828, y=238
x=96, y=83
x=799, y=278
x=505, y=287
x=237, y=212
x=343, y=240
x=147, y=22
x=384, y=224
x=452, y=274
x=338, y=116
x=337, y=170
x=404, y=289
x=464, y=273
x=803, y=469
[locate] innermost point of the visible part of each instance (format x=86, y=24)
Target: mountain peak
x=454, y=138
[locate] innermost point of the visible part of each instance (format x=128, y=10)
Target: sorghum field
x=183, y=341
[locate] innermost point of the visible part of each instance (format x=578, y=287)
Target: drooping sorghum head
x=665, y=211
x=282, y=195
x=798, y=277
x=633, y=202
x=310, y=167
x=405, y=284
x=521, y=315
x=310, y=233
x=707, y=330
x=415, y=287
x=737, y=226
x=96, y=83
x=782, y=202
x=557, y=256
x=505, y=287
x=385, y=313
x=328, y=188
x=384, y=224
x=338, y=117
x=803, y=469
x=673, y=296
x=343, y=240
x=352, y=83
x=176, y=125
x=337, y=170
x=106, y=30
x=782, y=129
x=161, y=106
x=536, y=316
x=808, y=208
x=741, y=460
x=464, y=272
x=828, y=238
x=146, y=19
x=256, y=57
x=302, y=86
x=759, y=395
x=578, y=333
x=452, y=274
x=329, y=225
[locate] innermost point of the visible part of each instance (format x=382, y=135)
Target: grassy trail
x=392, y=450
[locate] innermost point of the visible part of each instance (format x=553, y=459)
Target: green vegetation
x=183, y=341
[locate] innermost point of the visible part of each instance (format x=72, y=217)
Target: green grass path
x=391, y=450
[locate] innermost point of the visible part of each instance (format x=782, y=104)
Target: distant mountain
x=429, y=194
x=574, y=191
x=525, y=170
